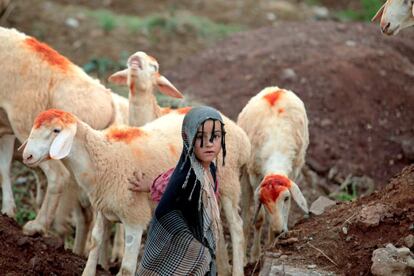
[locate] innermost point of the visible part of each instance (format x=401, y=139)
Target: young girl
x=184, y=231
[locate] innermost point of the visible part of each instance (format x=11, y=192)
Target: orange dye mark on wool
x=132, y=87
x=271, y=187
x=46, y=117
x=273, y=97
x=184, y=110
x=172, y=149
x=48, y=54
x=281, y=110
x=126, y=135
x=165, y=110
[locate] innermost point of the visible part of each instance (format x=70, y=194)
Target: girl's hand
x=136, y=184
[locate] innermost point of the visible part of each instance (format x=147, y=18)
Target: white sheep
x=395, y=15
x=144, y=70
x=276, y=123
x=37, y=78
x=142, y=77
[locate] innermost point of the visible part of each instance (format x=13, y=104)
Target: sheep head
x=143, y=74
x=275, y=192
x=395, y=15
x=51, y=137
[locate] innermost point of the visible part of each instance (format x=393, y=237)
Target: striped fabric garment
x=173, y=250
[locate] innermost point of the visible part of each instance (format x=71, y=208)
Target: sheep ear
x=62, y=144
x=167, y=88
x=298, y=197
x=378, y=15
x=119, y=77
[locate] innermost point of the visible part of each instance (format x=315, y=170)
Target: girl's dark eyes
x=56, y=130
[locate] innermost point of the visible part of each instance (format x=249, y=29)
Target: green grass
x=349, y=193
x=25, y=211
x=369, y=8
x=170, y=23
x=101, y=66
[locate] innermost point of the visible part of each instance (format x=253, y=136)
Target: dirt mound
x=349, y=232
x=355, y=82
x=22, y=255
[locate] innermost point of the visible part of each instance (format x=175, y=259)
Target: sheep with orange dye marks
x=36, y=77
x=143, y=69
x=395, y=15
x=102, y=161
x=276, y=123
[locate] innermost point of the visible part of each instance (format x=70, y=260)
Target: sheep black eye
x=286, y=199
x=56, y=130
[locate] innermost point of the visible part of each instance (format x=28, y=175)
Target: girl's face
x=205, y=148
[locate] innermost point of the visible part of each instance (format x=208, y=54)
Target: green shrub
x=368, y=10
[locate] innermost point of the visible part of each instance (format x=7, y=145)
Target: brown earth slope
x=22, y=255
x=392, y=208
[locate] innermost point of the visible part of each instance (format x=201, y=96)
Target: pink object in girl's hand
x=159, y=185
x=161, y=182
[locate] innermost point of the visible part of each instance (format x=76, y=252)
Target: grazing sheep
x=276, y=123
x=395, y=15
x=37, y=78
x=143, y=69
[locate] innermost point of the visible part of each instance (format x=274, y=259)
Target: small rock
x=273, y=254
x=409, y=241
x=288, y=74
x=326, y=122
x=372, y=215
x=21, y=180
x=313, y=266
x=271, y=16
x=345, y=230
x=319, y=205
x=320, y=12
x=392, y=261
x=72, y=22
x=407, y=146
x=34, y=262
x=283, y=257
x=54, y=243
x=350, y=43
x=23, y=241
x=288, y=241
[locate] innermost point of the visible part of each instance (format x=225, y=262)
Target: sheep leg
x=6, y=155
x=133, y=234
x=103, y=259
x=57, y=175
x=83, y=223
x=258, y=227
x=246, y=200
x=98, y=233
x=236, y=230
x=117, y=251
x=40, y=193
x=223, y=267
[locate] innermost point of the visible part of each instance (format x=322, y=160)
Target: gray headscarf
x=195, y=118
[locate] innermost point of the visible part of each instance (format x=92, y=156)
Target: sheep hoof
x=10, y=211
x=33, y=227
